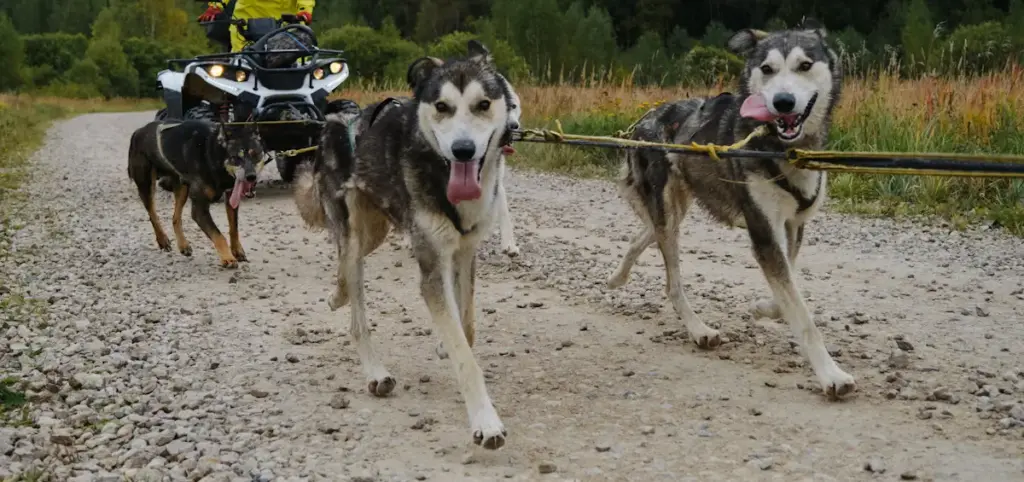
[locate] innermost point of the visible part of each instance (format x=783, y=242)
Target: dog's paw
x=230, y=263
x=706, y=338
x=511, y=250
x=185, y=250
x=338, y=299
x=381, y=387
x=240, y=255
x=617, y=280
x=488, y=431
x=766, y=308
x=440, y=351
x=163, y=243
x=838, y=384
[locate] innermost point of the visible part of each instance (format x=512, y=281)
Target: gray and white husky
x=430, y=167
x=790, y=83
x=505, y=231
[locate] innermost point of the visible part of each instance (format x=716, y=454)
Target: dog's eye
x=484, y=105
x=766, y=69
x=441, y=107
x=805, y=66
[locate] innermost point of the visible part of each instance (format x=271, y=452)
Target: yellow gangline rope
x=805, y=159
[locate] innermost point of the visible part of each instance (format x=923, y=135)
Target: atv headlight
x=335, y=67
x=216, y=70
x=240, y=76
x=318, y=74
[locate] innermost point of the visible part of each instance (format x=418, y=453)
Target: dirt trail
x=164, y=367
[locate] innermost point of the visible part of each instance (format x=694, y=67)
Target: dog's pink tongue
x=241, y=187
x=756, y=108
x=462, y=182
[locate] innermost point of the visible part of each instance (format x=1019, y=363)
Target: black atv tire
x=342, y=105
x=201, y=112
x=161, y=114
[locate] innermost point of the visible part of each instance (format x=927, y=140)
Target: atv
x=280, y=80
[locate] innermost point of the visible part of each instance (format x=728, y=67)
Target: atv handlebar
x=286, y=19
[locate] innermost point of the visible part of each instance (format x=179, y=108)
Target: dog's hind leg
x=201, y=215
x=508, y=240
x=147, y=187
x=437, y=287
x=180, y=196
x=359, y=237
x=668, y=242
x=640, y=242
x=768, y=239
x=236, y=244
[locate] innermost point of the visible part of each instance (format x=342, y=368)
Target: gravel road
x=162, y=367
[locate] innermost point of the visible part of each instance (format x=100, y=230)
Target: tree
x=537, y=31
x=505, y=58
x=716, y=35
x=12, y=50
x=594, y=40
x=917, y=33
x=428, y=22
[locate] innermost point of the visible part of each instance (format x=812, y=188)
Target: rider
x=245, y=9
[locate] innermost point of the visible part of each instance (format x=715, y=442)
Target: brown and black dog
x=202, y=161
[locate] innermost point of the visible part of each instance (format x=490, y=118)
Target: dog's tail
x=307, y=200
x=334, y=159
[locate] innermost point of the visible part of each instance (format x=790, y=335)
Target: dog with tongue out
x=198, y=161
x=431, y=168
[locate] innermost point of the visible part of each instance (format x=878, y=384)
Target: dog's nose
x=250, y=177
x=784, y=103
x=513, y=125
x=463, y=150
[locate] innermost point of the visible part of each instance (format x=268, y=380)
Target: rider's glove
x=306, y=17
x=210, y=13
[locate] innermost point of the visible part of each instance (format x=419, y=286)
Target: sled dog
x=430, y=167
x=790, y=85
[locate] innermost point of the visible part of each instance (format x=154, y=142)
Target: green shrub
x=648, y=59
x=704, y=66
x=40, y=76
x=12, y=52
x=59, y=50
x=511, y=64
x=371, y=54
x=976, y=49
x=122, y=80
x=85, y=72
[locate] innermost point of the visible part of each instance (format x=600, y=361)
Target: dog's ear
x=479, y=53
x=420, y=69
x=744, y=41
x=812, y=24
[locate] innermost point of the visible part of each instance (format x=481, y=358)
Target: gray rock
x=875, y=465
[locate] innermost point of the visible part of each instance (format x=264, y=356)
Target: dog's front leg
x=465, y=276
x=201, y=215
x=438, y=289
x=768, y=239
x=236, y=244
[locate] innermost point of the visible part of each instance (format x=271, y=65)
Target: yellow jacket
x=268, y=8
